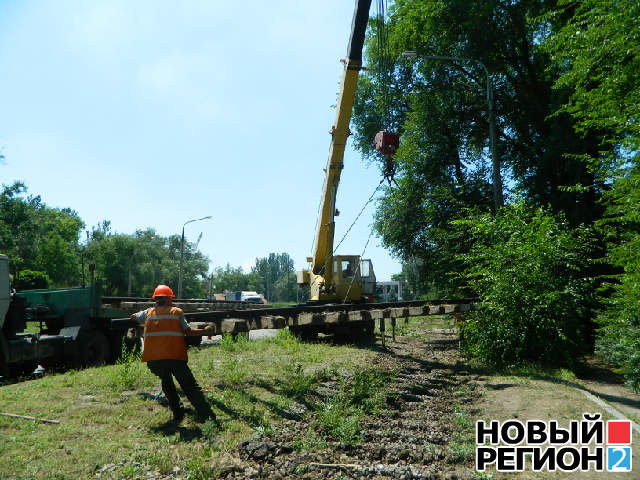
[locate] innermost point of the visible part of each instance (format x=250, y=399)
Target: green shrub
x=529, y=269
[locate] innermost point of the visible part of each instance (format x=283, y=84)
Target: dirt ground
x=595, y=389
x=428, y=430
x=413, y=440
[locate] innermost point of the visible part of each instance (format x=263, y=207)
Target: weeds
x=340, y=420
x=196, y=469
x=482, y=475
x=460, y=452
x=237, y=343
x=298, y=383
x=284, y=338
x=311, y=441
x=367, y=390
x=461, y=418
x=210, y=430
x=339, y=416
x=127, y=367
x=262, y=430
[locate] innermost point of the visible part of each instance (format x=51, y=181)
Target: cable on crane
x=386, y=141
x=358, y=216
x=358, y=267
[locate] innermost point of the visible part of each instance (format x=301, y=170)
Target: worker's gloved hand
x=133, y=317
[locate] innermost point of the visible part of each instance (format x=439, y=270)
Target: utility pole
x=498, y=199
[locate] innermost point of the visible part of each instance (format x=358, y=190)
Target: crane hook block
x=387, y=142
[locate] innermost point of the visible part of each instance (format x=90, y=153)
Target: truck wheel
x=93, y=348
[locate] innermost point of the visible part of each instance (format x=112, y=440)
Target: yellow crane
x=343, y=278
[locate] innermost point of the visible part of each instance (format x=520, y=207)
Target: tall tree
x=230, y=279
x=440, y=108
x=598, y=53
x=39, y=238
x=135, y=264
x=277, y=274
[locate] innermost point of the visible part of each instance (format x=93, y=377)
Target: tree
x=597, y=53
x=39, y=238
x=277, y=274
x=440, y=109
x=230, y=279
x=136, y=264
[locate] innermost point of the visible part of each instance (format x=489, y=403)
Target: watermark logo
x=537, y=445
x=619, y=446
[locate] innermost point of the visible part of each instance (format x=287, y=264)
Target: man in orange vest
x=165, y=351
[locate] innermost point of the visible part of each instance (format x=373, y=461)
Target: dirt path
x=412, y=440
x=608, y=386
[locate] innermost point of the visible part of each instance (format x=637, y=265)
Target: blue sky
x=152, y=113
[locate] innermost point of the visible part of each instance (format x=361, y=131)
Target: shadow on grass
x=170, y=428
x=253, y=419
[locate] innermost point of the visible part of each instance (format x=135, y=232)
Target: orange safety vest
x=163, y=335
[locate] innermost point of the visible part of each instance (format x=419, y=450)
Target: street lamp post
x=498, y=200
x=182, y=252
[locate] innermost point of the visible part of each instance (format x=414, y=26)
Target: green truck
x=53, y=327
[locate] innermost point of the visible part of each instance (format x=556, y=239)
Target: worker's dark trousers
x=165, y=369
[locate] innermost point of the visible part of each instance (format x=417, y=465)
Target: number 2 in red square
x=618, y=431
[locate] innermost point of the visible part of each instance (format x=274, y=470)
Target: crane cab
x=347, y=279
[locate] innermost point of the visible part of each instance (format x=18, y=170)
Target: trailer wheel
x=93, y=349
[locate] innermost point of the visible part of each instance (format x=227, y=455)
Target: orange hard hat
x=163, y=291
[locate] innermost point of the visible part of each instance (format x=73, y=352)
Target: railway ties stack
x=311, y=319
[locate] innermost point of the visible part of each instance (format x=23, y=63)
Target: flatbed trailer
x=309, y=320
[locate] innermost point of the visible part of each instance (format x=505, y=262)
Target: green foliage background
x=46, y=248
x=566, y=79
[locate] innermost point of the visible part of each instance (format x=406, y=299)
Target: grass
x=419, y=326
x=462, y=447
x=107, y=415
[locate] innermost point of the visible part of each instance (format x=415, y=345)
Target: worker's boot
x=178, y=415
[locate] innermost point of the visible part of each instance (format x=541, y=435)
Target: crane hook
x=387, y=143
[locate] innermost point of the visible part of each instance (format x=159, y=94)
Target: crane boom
x=339, y=134
x=322, y=273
